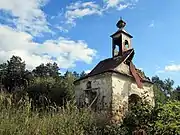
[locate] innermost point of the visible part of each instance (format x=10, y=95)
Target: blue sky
x=76, y=34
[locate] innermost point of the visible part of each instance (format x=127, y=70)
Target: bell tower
x=121, y=40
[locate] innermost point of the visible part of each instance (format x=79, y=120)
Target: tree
x=168, y=87
x=76, y=75
x=45, y=90
x=3, y=71
x=48, y=70
x=40, y=71
x=52, y=89
x=68, y=84
x=3, y=74
x=160, y=96
x=176, y=94
x=83, y=74
x=53, y=69
x=28, y=77
x=167, y=119
x=162, y=89
x=15, y=73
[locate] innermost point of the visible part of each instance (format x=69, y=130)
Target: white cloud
x=80, y=4
x=65, y=51
x=29, y=21
x=87, y=71
x=62, y=29
x=26, y=15
x=112, y=3
x=123, y=6
x=169, y=68
x=119, y=4
x=80, y=9
x=172, y=67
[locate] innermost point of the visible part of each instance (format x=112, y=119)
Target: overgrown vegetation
x=20, y=119
x=41, y=102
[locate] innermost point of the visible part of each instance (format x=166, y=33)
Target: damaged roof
x=110, y=64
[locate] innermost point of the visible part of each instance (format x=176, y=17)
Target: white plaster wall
x=122, y=87
x=103, y=83
x=120, y=94
x=124, y=37
x=115, y=90
x=123, y=68
x=146, y=91
x=125, y=86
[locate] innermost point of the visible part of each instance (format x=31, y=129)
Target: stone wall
x=147, y=91
x=113, y=92
x=100, y=84
x=122, y=88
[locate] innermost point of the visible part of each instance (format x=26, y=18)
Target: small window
x=88, y=85
x=126, y=44
x=116, y=50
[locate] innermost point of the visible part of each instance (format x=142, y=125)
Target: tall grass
x=19, y=119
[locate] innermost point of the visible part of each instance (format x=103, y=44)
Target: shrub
x=167, y=120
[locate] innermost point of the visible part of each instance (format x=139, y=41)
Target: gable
x=112, y=64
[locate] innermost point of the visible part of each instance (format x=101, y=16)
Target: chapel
x=115, y=82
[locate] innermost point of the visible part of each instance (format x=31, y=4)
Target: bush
x=167, y=120
x=45, y=91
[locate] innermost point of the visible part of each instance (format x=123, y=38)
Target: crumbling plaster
x=114, y=90
x=100, y=83
x=123, y=87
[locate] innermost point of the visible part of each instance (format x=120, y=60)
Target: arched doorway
x=133, y=100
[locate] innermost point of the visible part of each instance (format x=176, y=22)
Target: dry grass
x=19, y=119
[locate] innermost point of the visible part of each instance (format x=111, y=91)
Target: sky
x=76, y=33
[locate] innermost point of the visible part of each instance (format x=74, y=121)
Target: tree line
x=164, y=90
x=44, y=81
